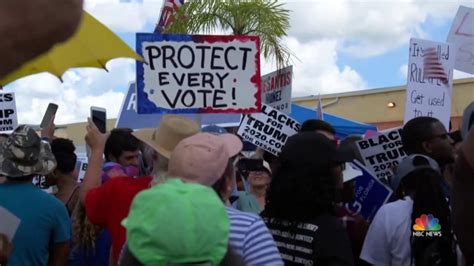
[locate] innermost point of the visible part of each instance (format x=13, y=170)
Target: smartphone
x=99, y=118
x=250, y=165
x=48, y=115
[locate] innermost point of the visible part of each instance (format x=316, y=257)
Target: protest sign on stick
x=382, y=152
x=269, y=129
x=8, y=113
x=370, y=194
x=461, y=36
x=430, y=80
x=198, y=73
x=276, y=89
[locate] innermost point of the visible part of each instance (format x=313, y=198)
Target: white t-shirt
x=388, y=239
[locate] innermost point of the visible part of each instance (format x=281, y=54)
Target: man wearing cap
x=301, y=200
x=109, y=204
x=44, y=231
x=206, y=159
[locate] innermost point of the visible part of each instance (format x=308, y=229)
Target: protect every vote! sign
x=198, y=73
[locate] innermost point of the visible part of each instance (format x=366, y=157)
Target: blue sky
x=342, y=45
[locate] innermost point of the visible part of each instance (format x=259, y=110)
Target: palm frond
x=267, y=19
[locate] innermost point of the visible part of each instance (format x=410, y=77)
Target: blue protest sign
x=370, y=194
x=129, y=118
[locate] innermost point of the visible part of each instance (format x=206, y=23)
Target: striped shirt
x=250, y=238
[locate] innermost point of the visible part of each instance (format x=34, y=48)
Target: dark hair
x=63, y=150
x=120, y=140
x=300, y=194
x=349, y=142
x=428, y=198
x=415, y=132
x=316, y=124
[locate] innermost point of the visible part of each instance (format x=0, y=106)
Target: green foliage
x=267, y=19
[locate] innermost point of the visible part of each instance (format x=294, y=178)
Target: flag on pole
x=167, y=12
x=319, y=110
x=433, y=67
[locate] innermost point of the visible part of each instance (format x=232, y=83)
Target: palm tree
x=264, y=18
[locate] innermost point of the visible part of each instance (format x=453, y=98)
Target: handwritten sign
x=269, y=129
x=276, y=89
x=370, y=194
x=430, y=80
x=8, y=113
x=382, y=152
x=198, y=73
x=461, y=36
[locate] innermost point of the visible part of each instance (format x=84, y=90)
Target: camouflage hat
x=23, y=154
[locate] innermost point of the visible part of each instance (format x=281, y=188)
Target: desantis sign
x=198, y=73
x=276, y=89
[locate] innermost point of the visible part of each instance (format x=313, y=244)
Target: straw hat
x=171, y=130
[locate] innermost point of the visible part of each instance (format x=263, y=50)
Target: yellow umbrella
x=91, y=46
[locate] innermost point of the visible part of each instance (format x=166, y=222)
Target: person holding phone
x=258, y=177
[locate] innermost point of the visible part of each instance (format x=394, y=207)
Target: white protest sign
x=8, y=113
x=430, y=80
x=205, y=73
x=461, y=36
x=276, y=89
x=381, y=153
x=8, y=223
x=269, y=129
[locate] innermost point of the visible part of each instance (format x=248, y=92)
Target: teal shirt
x=44, y=222
x=247, y=202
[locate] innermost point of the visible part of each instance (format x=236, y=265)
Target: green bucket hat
x=177, y=223
x=23, y=154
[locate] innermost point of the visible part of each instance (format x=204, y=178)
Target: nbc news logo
x=426, y=226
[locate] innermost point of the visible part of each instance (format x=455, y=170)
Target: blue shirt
x=251, y=239
x=44, y=222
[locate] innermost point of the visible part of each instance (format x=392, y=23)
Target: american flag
x=433, y=67
x=167, y=11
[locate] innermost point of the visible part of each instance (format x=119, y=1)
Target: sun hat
x=310, y=148
x=23, y=154
x=171, y=130
x=177, y=223
x=408, y=165
x=202, y=158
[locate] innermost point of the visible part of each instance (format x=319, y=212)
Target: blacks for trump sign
x=269, y=129
x=8, y=113
x=383, y=152
x=198, y=73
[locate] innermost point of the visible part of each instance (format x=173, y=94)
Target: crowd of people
x=177, y=194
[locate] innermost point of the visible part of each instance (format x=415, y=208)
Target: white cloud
x=317, y=70
x=367, y=27
x=126, y=16
x=81, y=89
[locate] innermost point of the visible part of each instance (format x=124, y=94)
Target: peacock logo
x=426, y=225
